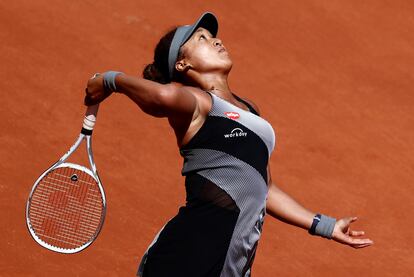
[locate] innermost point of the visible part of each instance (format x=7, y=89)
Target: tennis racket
x=66, y=207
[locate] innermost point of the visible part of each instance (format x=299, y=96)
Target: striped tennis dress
x=225, y=168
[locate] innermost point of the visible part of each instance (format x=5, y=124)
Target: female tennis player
x=226, y=147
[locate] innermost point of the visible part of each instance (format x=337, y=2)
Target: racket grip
x=90, y=119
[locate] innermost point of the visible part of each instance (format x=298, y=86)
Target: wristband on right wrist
x=109, y=81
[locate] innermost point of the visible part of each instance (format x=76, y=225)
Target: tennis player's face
x=205, y=53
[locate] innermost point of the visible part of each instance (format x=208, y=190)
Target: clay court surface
x=335, y=79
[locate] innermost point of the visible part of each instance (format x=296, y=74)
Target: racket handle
x=90, y=119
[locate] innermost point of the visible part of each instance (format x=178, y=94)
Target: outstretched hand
x=95, y=92
x=343, y=234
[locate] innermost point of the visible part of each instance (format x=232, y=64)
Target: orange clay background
x=335, y=79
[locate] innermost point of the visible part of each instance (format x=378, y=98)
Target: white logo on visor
x=236, y=132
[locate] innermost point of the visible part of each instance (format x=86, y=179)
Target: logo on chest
x=232, y=115
x=235, y=133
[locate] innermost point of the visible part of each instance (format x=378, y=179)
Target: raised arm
x=283, y=207
x=173, y=101
x=153, y=98
x=157, y=99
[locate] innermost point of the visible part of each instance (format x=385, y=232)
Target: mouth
x=222, y=49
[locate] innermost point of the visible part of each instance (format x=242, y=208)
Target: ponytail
x=158, y=70
x=151, y=72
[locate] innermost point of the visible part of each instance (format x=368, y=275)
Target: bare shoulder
x=252, y=104
x=185, y=132
x=182, y=98
x=203, y=99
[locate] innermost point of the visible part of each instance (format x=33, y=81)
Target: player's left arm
x=283, y=207
x=280, y=205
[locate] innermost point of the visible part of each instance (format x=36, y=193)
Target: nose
x=218, y=42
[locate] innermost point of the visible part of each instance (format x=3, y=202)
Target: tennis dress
x=225, y=168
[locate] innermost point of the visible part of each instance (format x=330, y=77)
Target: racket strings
x=66, y=208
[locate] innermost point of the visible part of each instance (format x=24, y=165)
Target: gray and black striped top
x=231, y=151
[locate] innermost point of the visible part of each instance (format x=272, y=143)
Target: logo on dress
x=232, y=115
x=236, y=132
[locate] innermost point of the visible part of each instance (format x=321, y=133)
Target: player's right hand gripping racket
x=66, y=207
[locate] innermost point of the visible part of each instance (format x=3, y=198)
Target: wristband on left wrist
x=323, y=226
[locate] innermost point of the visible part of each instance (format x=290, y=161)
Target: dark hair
x=158, y=70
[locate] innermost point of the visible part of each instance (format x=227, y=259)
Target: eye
x=202, y=37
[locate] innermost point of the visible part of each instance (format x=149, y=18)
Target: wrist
x=315, y=222
x=323, y=226
x=109, y=81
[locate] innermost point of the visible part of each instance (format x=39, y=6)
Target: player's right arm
x=170, y=100
x=156, y=99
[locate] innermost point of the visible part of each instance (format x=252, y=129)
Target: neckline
x=237, y=98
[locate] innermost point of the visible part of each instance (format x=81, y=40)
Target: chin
x=228, y=66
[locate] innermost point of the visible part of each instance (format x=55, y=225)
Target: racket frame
x=84, y=135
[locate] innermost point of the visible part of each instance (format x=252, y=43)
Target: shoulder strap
x=247, y=104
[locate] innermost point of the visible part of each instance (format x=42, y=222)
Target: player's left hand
x=343, y=234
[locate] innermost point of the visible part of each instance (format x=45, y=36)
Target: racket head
x=66, y=208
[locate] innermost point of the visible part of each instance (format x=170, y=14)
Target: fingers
x=88, y=101
x=361, y=243
x=347, y=230
x=92, y=91
x=351, y=241
x=353, y=219
x=344, y=224
x=95, y=75
x=344, y=235
x=356, y=233
x=349, y=220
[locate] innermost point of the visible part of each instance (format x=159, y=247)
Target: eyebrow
x=199, y=30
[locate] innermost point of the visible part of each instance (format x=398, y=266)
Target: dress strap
x=247, y=104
